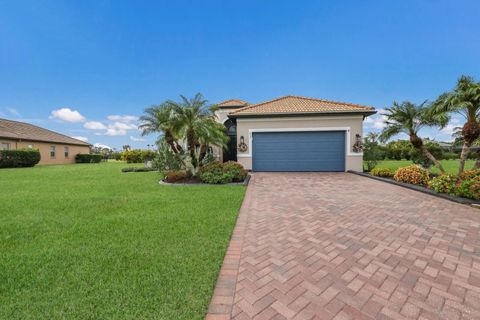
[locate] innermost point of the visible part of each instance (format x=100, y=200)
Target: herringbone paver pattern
x=341, y=246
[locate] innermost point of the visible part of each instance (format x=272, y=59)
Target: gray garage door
x=299, y=151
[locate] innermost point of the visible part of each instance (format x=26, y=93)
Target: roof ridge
x=333, y=101
x=41, y=128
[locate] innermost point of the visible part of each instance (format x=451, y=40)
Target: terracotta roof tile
x=295, y=104
x=25, y=131
x=233, y=103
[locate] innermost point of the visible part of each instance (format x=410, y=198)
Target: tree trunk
x=463, y=156
x=171, y=141
x=191, y=146
x=203, y=153
x=477, y=162
x=432, y=158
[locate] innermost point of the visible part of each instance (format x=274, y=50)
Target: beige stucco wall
x=44, y=149
x=352, y=124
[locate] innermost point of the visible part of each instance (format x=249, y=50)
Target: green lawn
x=450, y=166
x=86, y=241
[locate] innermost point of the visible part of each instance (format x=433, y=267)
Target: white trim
x=305, y=118
x=346, y=129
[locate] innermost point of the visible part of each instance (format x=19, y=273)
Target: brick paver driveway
x=324, y=246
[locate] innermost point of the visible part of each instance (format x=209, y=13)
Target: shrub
x=468, y=188
x=419, y=158
x=19, y=158
x=398, y=150
x=138, y=156
x=175, y=176
x=167, y=160
x=382, y=172
x=372, y=153
x=412, y=174
x=88, y=158
x=236, y=169
x=470, y=174
x=141, y=169
x=451, y=156
x=444, y=183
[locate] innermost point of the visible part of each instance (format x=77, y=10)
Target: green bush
x=216, y=172
x=468, y=188
x=419, y=158
x=382, y=172
x=444, y=183
x=19, y=158
x=412, y=174
x=236, y=169
x=142, y=169
x=88, y=158
x=167, y=160
x=398, y=150
x=450, y=156
x=138, y=156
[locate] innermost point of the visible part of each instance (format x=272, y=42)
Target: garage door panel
x=299, y=151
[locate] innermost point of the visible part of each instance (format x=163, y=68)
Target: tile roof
x=232, y=103
x=24, y=131
x=300, y=105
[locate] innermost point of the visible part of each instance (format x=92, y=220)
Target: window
x=65, y=151
x=52, y=151
x=5, y=146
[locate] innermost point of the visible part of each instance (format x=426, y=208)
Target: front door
x=230, y=154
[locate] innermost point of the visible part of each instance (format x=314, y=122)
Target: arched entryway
x=230, y=154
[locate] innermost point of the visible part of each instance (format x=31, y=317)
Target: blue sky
x=88, y=68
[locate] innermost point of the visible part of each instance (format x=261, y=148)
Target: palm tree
x=408, y=118
x=159, y=119
x=194, y=120
x=465, y=100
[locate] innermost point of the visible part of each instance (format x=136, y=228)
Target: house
x=55, y=148
x=293, y=133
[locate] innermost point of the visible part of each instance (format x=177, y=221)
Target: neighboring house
x=294, y=134
x=55, y=148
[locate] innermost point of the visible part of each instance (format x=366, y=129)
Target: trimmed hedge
x=88, y=158
x=19, y=158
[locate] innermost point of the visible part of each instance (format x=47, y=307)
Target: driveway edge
x=419, y=188
x=221, y=305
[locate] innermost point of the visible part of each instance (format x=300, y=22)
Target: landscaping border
x=244, y=183
x=431, y=192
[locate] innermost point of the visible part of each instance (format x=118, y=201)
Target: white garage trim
x=346, y=129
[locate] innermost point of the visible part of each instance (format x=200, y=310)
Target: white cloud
x=67, y=114
x=13, y=112
x=122, y=126
x=94, y=125
x=449, y=129
x=124, y=118
x=101, y=145
x=85, y=139
x=136, y=139
x=115, y=132
x=376, y=122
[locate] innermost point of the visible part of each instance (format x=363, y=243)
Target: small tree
x=408, y=118
x=464, y=99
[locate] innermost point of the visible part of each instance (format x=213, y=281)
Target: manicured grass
x=450, y=166
x=90, y=242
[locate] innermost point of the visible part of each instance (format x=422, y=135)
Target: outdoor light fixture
x=358, y=146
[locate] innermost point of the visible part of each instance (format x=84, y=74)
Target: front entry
x=230, y=154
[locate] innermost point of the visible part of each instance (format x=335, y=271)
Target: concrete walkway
x=341, y=246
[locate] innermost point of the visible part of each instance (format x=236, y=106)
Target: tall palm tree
x=194, y=120
x=464, y=100
x=159, y=119
x=408, y=118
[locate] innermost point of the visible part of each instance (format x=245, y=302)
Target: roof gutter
x=302, y=114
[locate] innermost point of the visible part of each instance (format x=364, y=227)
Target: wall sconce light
x=242, y=146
